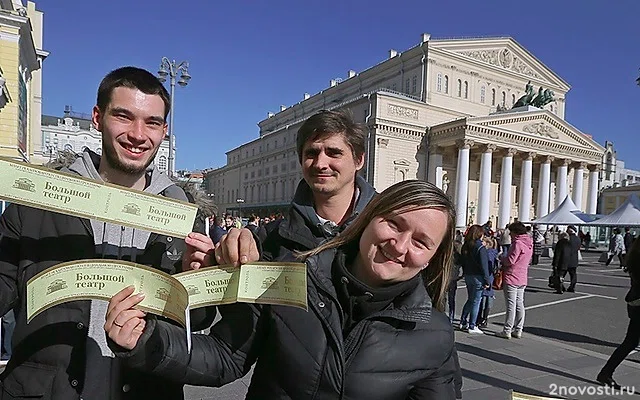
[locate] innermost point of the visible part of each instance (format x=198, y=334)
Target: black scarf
x=359, y=300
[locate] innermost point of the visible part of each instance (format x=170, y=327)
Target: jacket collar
x=415, y=306
x=302, y=224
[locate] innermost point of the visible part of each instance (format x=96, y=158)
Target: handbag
x=497, y=280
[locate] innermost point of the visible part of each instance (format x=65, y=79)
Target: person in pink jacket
x=515, y=266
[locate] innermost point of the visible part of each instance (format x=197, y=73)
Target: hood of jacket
x=87, y=163
x=303, y=225
x=523, y=240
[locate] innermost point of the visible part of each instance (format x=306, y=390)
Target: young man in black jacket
x=331, y=148
x=62, y=354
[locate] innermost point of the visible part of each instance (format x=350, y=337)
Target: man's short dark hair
x=134, y=78
x=325, y=123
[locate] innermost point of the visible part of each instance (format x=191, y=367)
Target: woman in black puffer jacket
x=632, y=339
x=374, y=329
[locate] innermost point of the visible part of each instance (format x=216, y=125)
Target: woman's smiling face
x=396, y=247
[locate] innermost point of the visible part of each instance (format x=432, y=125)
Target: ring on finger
x=117, y=324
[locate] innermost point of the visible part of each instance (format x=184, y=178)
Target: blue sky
x=249, y=57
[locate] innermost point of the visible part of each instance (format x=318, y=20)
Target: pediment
x=502, y=53
x=537, y=125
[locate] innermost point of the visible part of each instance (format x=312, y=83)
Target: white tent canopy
x=628, y=214
x=563, y=215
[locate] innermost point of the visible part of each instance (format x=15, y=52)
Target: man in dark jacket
x=62, y=353
x=572, y=267
x=562, y=256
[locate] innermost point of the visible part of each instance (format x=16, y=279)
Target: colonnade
x=546, y=162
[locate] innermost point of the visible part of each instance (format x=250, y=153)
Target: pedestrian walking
x=475, y=267
x=632, y=338
x=515, y=266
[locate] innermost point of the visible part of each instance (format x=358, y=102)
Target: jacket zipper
x=353, y=342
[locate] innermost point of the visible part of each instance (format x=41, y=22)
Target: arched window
x=459, y=88
x=446, y=84
x=466, y=89
x=504, y=99
x=439, y=83
x=493, y=97
x=482, y=94
x=68, y=147
x=406, y=85
x=513, y=99
x=162, y=163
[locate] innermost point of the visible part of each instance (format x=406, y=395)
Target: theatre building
x=481, y=118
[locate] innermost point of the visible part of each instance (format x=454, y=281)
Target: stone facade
x=437, y=112
x=21, y=58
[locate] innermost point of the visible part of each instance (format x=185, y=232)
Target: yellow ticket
x=171, y=296
x=268, y=283
x=74, y=195
x=102, y=279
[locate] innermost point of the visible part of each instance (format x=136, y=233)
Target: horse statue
x=548, y=97
x=539, y=99
x=526, y=99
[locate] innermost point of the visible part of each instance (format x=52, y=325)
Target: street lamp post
x=171, y=68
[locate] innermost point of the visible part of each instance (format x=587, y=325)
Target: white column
x=462, y=182
x=524, y=202
x=592, y=201
x=542, y=208
x=484, y=193
x=561, y=182
x=578, y=176
x=504, y=210
x=435, y=167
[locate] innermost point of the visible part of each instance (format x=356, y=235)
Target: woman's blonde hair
x=402, y=197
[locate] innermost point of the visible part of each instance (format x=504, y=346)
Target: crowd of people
x=381, y=268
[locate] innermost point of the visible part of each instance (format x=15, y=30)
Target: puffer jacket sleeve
x=10, y=227
x=221, y=357
x=441, y=384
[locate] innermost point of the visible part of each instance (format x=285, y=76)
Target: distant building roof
x=51, y=120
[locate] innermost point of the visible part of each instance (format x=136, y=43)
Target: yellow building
x=21, y=57
x=612, y=198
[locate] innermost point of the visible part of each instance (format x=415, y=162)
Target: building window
x=406, y=85
x=68, y=147
x=482, y=94
x=266, y=171
x=493, y=97
x=253, y=152
x=513, y=99
x=283, y=167
x=275, y=169
x=393, y=87
x=253, y=174
x=551, y=107
x=162, y=163
x=504, y=99
x=439, y=83
x=246, y=176
x=466, y=89
x=446, y=84
x=415, y=84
